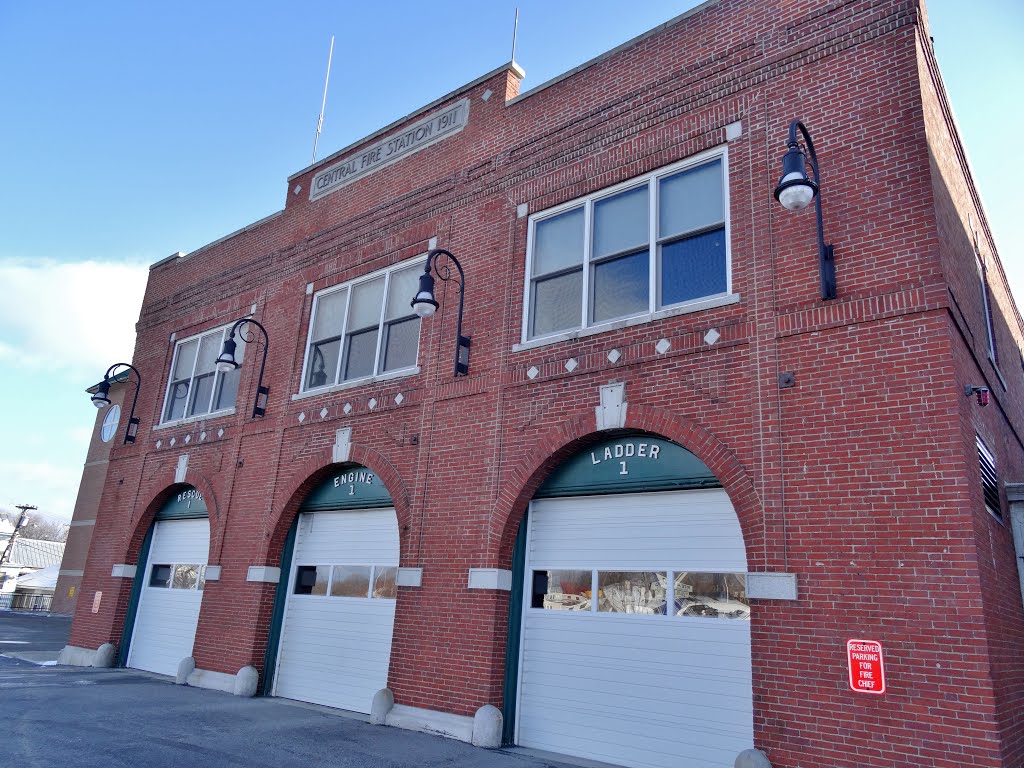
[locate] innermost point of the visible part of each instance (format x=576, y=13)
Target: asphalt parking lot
x=112, y=718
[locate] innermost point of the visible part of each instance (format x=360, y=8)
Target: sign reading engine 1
x=438, y=126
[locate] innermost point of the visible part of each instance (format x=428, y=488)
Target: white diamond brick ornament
x=302, y=417
x=532, y=373
x=486, y=94
x=202, y=436
x=159, y=443
x=712, y=336
x=188, y=439
x=614, y=356
x=571, y=364
x=399, y=398
x=347, y=409
x=220, y=432
x=172, y=441
x=663, y=346
x=372, y=404
x=323, y=413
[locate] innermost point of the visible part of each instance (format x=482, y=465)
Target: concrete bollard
x=487, y=724
x=104, y=656
x=383, y=701
x=185, y=668
x=752, y=758
x=246, y=681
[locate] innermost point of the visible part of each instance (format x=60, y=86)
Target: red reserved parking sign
x=867, y=673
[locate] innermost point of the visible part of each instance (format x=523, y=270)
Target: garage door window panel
x=160, y=576
x=350, y=581
x=385, y=582
x=639, y=592
x=312, y=579
x=660, y=242
x=562, y=590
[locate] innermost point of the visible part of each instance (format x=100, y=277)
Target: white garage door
x=172, y=593
x=655, y=672
x=336, y=635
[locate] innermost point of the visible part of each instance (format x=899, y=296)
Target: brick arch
x=305, y=477
x=570, y=437
x=159, y=497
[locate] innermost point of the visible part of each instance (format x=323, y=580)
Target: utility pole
x=22, y=519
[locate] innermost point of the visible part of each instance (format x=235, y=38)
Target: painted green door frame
x=515, y=624
x=133, y=598
x=277, y=617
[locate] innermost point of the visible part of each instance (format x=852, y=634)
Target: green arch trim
x=630, y=464
x=351, y=486
x=187, y=502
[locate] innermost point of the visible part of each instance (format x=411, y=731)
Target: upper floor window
x=986, y=303
x=363, y=328
x=196, y=387
x=652, y=243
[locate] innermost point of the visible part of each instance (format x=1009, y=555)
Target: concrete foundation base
x=76, y=656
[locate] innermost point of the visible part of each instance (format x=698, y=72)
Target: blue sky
x=134, y=130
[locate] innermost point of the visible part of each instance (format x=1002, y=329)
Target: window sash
x=191, y=409
x=654, y=246
x=345, y=333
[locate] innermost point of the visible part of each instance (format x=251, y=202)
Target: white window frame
x=178, y=344
x=986, y=308
x=377, y=374
x=653, y=244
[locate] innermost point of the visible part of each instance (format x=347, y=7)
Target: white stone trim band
x=267, y=574
x=490, y=578
x=771, y=586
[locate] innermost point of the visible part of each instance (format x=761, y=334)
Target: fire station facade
x=664, y=503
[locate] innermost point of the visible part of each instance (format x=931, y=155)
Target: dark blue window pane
x=620, y=287
x=693, y=268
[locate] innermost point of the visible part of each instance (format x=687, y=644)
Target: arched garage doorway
x=629, y=636
x=167, y=592
x=330, y=642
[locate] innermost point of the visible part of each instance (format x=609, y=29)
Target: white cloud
x=54, y=487
x=79, y=316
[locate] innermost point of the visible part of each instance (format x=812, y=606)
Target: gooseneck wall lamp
x=425, y=304
x=101, y=397
x=795, y=191
x=227, y=363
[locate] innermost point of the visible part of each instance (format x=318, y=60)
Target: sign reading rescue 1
x=438, y=126
x=867, y=674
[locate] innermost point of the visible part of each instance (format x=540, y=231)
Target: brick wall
x=860, y=479
x=90, y=488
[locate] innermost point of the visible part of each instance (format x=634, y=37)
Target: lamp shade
x=424, y=304
x=226, y=362
x=795, y=191
x=100, y=399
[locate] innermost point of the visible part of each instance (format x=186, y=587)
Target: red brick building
x=726, y=477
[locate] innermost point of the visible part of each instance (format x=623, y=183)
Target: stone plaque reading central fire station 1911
x=430, y=130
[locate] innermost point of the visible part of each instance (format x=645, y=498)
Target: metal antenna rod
x=515, y=29
x=323, y=104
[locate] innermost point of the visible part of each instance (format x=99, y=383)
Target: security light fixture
x=101, y=397
x=981, y=393
x=226, y=361
x=424, y=303
x=795, y=191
